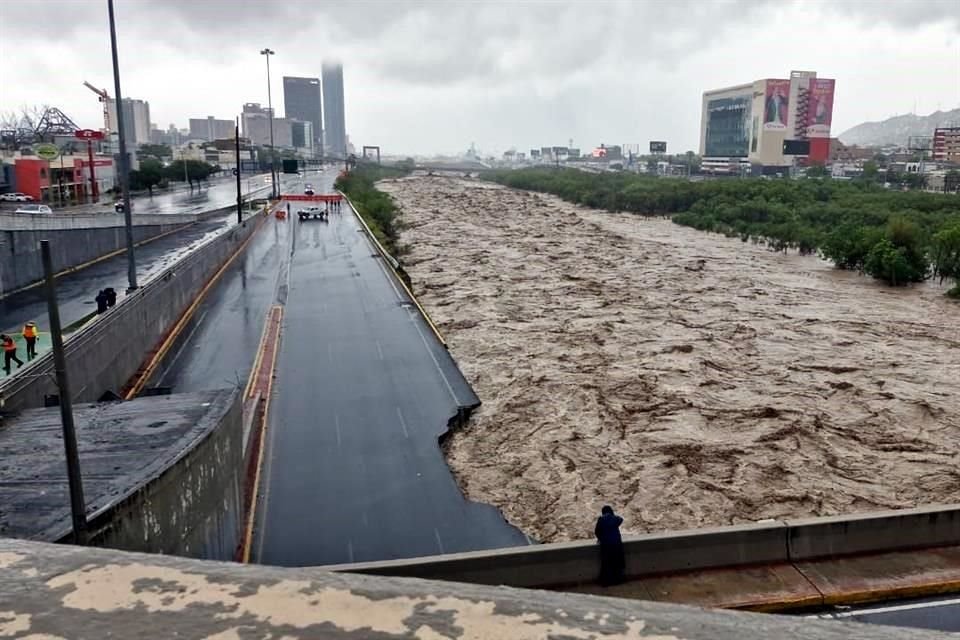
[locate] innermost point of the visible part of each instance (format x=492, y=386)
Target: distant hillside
x=897, y=129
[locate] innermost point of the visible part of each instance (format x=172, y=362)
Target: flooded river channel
x=685, y=378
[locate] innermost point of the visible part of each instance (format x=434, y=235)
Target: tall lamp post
x=124, y=160
x=273, y=149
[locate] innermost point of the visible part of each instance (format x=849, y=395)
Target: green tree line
x=375, y=207
x=152, y=173
x=897, y=237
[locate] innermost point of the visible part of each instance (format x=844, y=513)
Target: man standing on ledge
x=607, y=531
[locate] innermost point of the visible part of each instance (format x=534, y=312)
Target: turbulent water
x=685, y=378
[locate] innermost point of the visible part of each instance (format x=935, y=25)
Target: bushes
x=846, y=223
x=945, y=256
x=375, y=207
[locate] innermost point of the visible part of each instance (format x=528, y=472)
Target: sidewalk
x=802, y=585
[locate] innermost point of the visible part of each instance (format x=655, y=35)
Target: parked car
x=15, y=196
x=34, y=208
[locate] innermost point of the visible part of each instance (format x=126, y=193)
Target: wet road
x=76, y=291
x=941, y=614
x=353, y=471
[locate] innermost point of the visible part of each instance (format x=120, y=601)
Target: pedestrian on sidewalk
x=101, y=300
x=30, y=334
x=9, y=352
x=612, y=561
x=111, y=294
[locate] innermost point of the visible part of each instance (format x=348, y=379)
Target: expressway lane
x=353, y=471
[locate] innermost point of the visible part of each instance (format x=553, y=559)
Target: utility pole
x=78, y=507
x=124, y=160
x=237, y=171
x=273, y=149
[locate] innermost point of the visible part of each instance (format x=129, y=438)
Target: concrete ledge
x=75, y=221
x=873, y=532
x=58, y=591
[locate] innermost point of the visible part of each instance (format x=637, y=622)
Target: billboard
x=775, y=104
x=796, y=147
x=657, y=146
x=534, y=153
x=820, y=108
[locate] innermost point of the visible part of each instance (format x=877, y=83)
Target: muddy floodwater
x=685, y=378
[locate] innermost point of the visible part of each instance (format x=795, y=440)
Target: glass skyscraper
x=301, y=101
x=334, y=124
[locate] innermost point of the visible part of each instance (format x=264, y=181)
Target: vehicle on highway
x=308, y=189
x=33, y=208
x=316, y=213
x=15, y=196
x=119, y=206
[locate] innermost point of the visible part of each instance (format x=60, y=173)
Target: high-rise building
x=946, y=145
x=136, y=120
x=301, y=101
x=334, y=121
x=210, y=128
x=767, y=123
x=302, y=137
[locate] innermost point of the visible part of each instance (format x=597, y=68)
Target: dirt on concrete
x=685, y=378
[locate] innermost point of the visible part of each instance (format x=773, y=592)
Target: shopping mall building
x=767, y=126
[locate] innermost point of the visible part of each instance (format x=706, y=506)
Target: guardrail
x=571, y=563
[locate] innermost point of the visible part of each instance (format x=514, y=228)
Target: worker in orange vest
x=9, y=352
x=30, y=334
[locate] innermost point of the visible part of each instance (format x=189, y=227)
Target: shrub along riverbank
x=898, y=237
x=375, y=207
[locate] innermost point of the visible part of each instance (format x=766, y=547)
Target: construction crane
x=105, y=100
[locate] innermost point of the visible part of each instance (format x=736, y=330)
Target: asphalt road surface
x=941, y=614
x=353, y=470
x=76, y=291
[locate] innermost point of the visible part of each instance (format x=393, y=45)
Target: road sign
x=236, y=171
x=88, y=134
x=47, y=151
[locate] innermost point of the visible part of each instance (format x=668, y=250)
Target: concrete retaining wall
x=562, y=564
x=79, y=221
x=20, y=263
x=107, y=353
x=191, y=506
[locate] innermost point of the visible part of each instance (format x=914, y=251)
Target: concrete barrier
x=82, y=221
x=105, y=354
x=923, y=527
x=564, y=564
x=20, y=263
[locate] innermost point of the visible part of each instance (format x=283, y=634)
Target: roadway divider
x=784, y=543
x=257, y=397
x=398, y=271
x=103, y=355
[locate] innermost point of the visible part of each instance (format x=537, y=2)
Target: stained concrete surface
x=126, y=449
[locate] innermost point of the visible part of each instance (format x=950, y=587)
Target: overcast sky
x=424, y=77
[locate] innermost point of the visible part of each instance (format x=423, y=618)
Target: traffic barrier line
x=260, y=382
x=394, y=264
x=90, y=263
x=143, y=375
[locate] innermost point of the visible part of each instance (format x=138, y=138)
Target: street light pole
x=273, y=149
x=124, y=161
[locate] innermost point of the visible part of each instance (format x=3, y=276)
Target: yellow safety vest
x=29, y=332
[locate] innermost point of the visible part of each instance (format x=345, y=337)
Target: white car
x=15, y=196
x=34, y=208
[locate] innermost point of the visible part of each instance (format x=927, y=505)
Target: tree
x=817, y=171
x=945, y=256
x=871, y=170
x=196, y=171
x=150, y=174
x=158, y=151
x=951, y=182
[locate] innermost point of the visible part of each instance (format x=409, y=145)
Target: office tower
x=334, y=124
x=301, y=101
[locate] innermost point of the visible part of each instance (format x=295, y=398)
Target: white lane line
x=350, y=549
x=439, y=543
x=403, y=423
x=894, y=608
x=183, y=346
x=426, y=346
x=336, y=419
x=379, y=350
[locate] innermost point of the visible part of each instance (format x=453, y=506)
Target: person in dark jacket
x=111, y=294
x=101, y=300
x=607, y=531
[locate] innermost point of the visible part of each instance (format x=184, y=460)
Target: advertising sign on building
x=820, y=109
x=775, y=105
x=47, y=151
x=658, y=146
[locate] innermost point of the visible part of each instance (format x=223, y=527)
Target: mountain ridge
x=896, y=130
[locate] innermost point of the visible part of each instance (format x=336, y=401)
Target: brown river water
x=685, y=378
